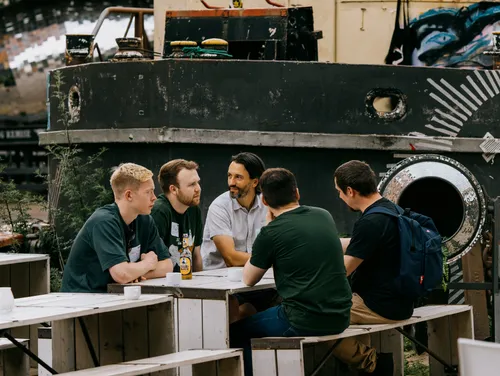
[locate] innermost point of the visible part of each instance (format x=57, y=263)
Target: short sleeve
x=109, y=244
x=263, y=254
x=365, y=239
x=156, y=243
x=198, y=236
x=218, y=221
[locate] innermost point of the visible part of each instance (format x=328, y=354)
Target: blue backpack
x=421, y=254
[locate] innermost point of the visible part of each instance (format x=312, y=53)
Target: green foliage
x=81, y=187
x=408, y=345
x=77, y=186
x=55, y=279
x=416, y=369
x=14, y=210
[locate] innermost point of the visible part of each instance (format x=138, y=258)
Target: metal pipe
x=270, y=2
x=210, y=6
x=128, y=26
x=106, y=12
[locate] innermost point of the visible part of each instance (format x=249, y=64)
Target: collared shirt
x=227, y=217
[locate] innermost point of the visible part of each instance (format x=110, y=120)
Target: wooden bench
x=204, y=363
x=13, y=362
x=299, y=356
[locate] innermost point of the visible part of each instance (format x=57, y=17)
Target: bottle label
x=185, y=265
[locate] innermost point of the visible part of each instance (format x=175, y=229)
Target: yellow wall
x=350, y=34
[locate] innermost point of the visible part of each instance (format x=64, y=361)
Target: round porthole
x=386, y=103
x=74, y=104
x=444, y=190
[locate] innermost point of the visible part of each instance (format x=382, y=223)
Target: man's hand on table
x=151, y=259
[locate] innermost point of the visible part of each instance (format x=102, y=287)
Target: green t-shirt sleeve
x=156, y=243
x=108, y=243
x=263, y=254
x=198, y=236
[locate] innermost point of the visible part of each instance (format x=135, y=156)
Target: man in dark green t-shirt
x=302, y=245
x=176, y=212
x=119, y=242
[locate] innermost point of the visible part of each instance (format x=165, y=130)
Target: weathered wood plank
x=111, y=338
x=136, y=333
x=439, y=342
x=391, y=341
x=289, y=362
x=190, y=327
x=84, y=358
x=63, y=345
x=39, y=284
x=20, y=283
x=264, y=362
x=19, y=258
x=161, y=329
x=185, y=358
x=215, y=324
x=473, y=271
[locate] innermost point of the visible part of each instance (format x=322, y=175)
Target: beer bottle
x=186, y=260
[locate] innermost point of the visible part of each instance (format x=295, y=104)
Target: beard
x=188, y=200
x=240, y=193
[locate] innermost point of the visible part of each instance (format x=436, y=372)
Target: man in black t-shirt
x=177, y=213
x=372, y=254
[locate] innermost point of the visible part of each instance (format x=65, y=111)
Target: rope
x=197, y=51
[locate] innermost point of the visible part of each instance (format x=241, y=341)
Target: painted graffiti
x=446, y=37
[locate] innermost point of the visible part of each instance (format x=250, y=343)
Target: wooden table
x=223, y=273
x=119, y=329
x=28, y=274
x=201, y=308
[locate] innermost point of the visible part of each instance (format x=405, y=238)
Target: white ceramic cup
x=132, y=292
x=6, y=300
x=235, y=274
x=174, y=279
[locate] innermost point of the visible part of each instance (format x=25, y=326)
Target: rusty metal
x=208, y=6
x=177, y=48
x=138, y=14
x=80, y=49
x=270, y=2
x=129, y=49
x=495, y=51
x=128, y=26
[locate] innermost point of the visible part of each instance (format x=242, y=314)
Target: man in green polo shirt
x=176, y=212
x=119, y=242
x=302, y=245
